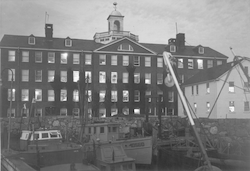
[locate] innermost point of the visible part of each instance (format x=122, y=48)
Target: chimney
x=49, y=31
x=180, y=40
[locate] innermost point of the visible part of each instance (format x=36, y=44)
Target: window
x=102, y=59
x=170, y=96
x=200, y=63
x=170, y=111
x=113, y=96
x=102, y=95
x=231, y=106
x=114, y=111
x=76, y=96
x=13, y=94
x=89, y=95
x=159, y=78
x=25, y=56
x=195, y=107
x=208, y=106
x=63, y=97
x=76, y=112
x=38, y=94
x=51, y=75
x=201, y=50
x=148, y=61
x=219, y=62
x=68, y=42
x=25, y=95
x=137, y=95
x=13, y=113
x=25, y=75
x=64, y=58
x=197, y=89
x=75, y=76
x=64, y=76
x=192, y=90
x=147, y=78
x=148, y=94
x=51, y=95
x=38, y=75
x=125, y=47
x=45, y=135
x=125, y=77
x=63, y=111
x=10, y=74
x=125, y=96
x=114, y=77
x=182, y=78
x=39, y=112
x=231, y=87
x=172, y=48
x=113, y=59
x=12, y=56
x=207, y=88
x=136, y=60
x=88, y=77
x=137, y=111
x=180, y=63
x=102, y=113
x=190, y=64
x=31, y=40
x=125, y=111
x=88, y=59
x=38, y=57
x=76, y=58
x=102, y=129
x=125, y=60
x=246, y=106
x=159, y=62
x=102, y=77
x=209, y=63
x=136, y=78
x=51, y=57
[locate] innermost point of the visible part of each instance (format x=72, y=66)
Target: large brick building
x=122, y=75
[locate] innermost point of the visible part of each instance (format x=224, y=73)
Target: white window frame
x=137, y=96
x=10, y=74
x=88, y=74
x=88, y=59
x=63, y=95
x=25, y=56
x=114, y=77
x=201, y=50
x=102, y=95
x=68, y=42
x=125, y=60
x=63, y=76
x=200, y=63
x=137, y=78
x=172, y=48
x=136, y=60
x=13, y=94
x=113, y=95
x=51, y=57
x=210, y=63
x=125, y=96
x=32, y=40
x=25, y=95
x=11, y=55
x=38, y=75
x=125, y=77
x=147, y=78
x=159, y=78
x=63, y=112
x=114, y=60
x=25, y=75
x=102, y=77
x=180, y=63
x=147, y=61
x=51, y=95
x=190, y=64
x=159, y=62
x=38, y=57
x=76, y=76
x=64, y=58
x=51, y=75
x=76, y=95
x=38, y=95
x=102, y=59
x=76, y=58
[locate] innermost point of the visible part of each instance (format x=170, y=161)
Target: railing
x=116, y=33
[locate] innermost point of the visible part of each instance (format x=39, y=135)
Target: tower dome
x=116, y=13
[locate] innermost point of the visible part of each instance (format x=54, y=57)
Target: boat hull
x=51, y=157
x=139, y=149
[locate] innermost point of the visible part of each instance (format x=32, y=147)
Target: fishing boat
x=135, y=146
x=42, y=147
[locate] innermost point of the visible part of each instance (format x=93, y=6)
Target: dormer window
x=201, y=50
x=172, y=48
x=32, y=40
x=68, y=42
x=125, y=47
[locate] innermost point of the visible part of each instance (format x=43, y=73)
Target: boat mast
x=166, y=57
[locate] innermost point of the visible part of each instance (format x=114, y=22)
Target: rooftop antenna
x=115, y=5
x=46, y=16
x=176, y=28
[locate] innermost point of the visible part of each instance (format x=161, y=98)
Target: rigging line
x=220, y=92
x=234, y=85
x=242, y=80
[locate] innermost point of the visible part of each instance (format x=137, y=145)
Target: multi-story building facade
x=219, y=92
x=124, y=75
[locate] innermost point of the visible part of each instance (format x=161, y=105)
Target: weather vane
x=115, y=5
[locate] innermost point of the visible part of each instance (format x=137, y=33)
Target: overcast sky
x=218, y=24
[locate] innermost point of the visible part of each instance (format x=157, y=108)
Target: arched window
x=125, y=47
x=116, y=26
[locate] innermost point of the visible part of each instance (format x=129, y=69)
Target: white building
x=228, y=82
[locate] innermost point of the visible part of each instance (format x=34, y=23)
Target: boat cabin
x=102, y=132
x=43, y=137
x=112, y=157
